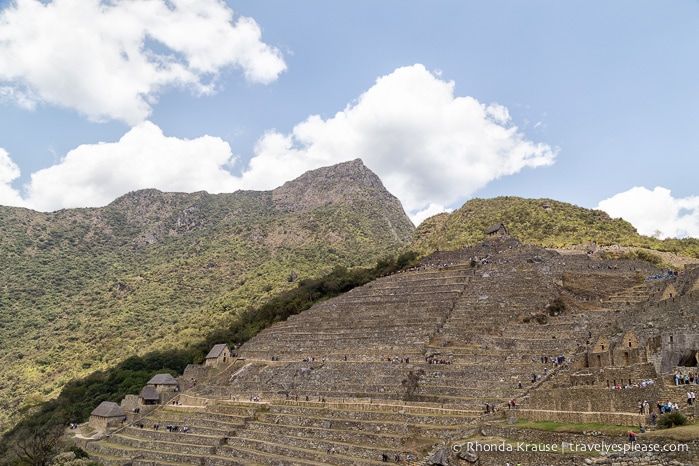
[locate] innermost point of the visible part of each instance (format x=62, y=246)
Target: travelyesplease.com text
x=565, y=447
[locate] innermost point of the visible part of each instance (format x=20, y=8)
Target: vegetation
x=672, y=419
x=83, y=289
x=591, y=428
x=79, y=397
x=540, y=221
x=681, y=434
x=642, y=255
x=411, y=384
x=556, y=307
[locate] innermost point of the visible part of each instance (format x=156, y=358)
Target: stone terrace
x=357, y=373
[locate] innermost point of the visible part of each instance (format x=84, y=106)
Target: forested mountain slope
x=82, y=289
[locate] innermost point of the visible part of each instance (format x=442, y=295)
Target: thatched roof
x=108, y=409
x=149, y=393
x=162, y=379
x=495, y=228
x=216, y=351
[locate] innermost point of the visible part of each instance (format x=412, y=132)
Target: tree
x=36, y=445
x=411, y=383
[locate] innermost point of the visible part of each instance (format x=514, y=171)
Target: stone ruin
x=411, y=363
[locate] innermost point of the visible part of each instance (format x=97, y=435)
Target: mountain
x=544, y=222
x=82, y=289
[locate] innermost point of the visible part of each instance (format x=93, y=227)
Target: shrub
x=672, y=419
x=556, y=307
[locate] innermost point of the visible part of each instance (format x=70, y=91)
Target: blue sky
x=592, y=103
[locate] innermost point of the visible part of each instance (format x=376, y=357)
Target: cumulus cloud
x=429, y=147
x=430, y=211
x=94, y=175
x=9, y=171
x=110, y=60
x=655, y=213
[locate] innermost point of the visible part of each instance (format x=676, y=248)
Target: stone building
x=600, y=355
x=107, y=414
x=497, y=230
x=627, y=352
x=164, y=383
x=220, y=355
x=149, y=395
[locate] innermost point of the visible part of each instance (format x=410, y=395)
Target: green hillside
x=537, y=221
x=83, y=289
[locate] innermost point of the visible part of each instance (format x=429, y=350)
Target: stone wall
x=594, y=400
x=607, y=418
x=608, y=377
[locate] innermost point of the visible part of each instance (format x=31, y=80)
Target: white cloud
x=94, y=175
x=110, y=60
x=428, y=146
x=430, y=211
x=9, y=171
x=655, y=213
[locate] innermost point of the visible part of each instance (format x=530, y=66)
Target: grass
x=682, y=433
x=576, y=428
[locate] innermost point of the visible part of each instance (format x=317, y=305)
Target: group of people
x=171, y=428
x=396, y=458
x=433, y=360
x=645, y=383
x=667, y=407
x=396, y=359
x=686, y=379
x=662, y=275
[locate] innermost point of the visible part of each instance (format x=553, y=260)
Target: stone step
x=195, y=436
x=108, y=449
x=291, y=437
x=261, y=450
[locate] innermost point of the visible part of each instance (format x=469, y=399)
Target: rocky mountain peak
x=328, y=185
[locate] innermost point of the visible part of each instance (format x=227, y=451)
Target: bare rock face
x=328, y=185
x=349, y=185
x=155, y=215
x=441, y=457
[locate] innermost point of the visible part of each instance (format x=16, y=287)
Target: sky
x=589, y=102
